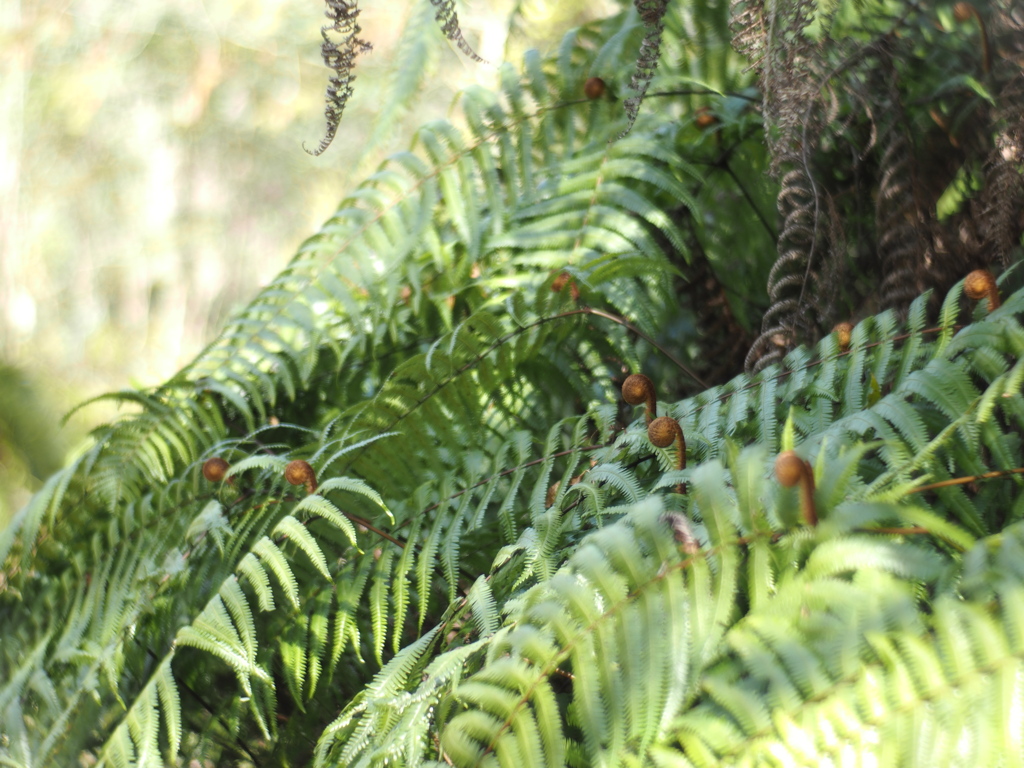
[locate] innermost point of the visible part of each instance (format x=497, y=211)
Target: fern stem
x=703, y=92
x=970, y=479
x=369, y=526
x=629, y=326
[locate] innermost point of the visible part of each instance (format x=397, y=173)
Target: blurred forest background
x=152, y=177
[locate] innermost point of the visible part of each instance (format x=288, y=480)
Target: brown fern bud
x=963, y=11
x=662, y=432
x=215, y=469
x=844, y=332
x=594, y=88
x=790, y=469
x=561, y=280
x=980, y=284
x=299, y=472
x=637, y=389
x=704, y=119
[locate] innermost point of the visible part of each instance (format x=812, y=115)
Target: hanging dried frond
x=340, y=58
x=449, y=21
x=652, y=13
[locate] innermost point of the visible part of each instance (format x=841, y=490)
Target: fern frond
x=905, y=671
x=444, y=353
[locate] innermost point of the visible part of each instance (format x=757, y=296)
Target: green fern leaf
x=274, y=559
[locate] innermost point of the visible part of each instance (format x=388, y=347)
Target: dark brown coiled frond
x=787, y=279
x=705, y=292
x=652, y=13
x=791, y=84
x=897, y=221
x=449, y=21
x=1002, y=204
x=340, y=58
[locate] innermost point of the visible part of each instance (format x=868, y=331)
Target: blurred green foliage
x=29, y=450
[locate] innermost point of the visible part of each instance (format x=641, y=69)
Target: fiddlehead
x=791, y=470
x=637, y=389
x=299, y=472
x=215, y=469
x=844, y=334
x=898, y=220
x=981, y=284
x=594, y=88
x=664, y=431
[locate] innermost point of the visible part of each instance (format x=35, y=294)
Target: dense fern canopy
x=398, y=512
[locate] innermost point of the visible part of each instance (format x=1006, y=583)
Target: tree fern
x=490, y=563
